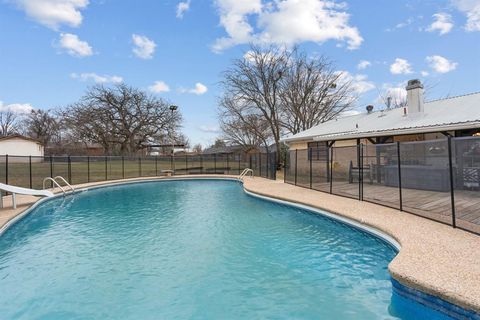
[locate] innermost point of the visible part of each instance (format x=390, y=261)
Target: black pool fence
x=437, y=179
x=29, y=171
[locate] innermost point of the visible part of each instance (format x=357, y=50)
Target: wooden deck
x=431, y=204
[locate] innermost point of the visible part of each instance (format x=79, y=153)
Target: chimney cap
x=369, y=108
x=414, y=84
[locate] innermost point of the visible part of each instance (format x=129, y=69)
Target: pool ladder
x=244, y=173
x=56, y=184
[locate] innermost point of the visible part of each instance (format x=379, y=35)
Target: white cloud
x=159, y=87
x=144, y=47
x=209, y=129
x=359, y=82
x=443, y=23
x=198, y=90
x=400, y=66
x=182, y=7
x=441, y=64
x=471, y=8
x=74, y=46
x=18, y=108
x=364, y=64
x=96, y=78
x=54, y=13
x=285, y=22
x=425, y=73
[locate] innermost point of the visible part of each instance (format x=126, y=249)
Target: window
x=318, y=151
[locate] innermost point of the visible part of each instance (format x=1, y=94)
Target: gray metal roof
x=454, y=113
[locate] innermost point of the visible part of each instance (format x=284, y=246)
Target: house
x=17, y=146
x=418, y=121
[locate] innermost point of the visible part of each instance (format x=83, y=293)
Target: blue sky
x=52, y=50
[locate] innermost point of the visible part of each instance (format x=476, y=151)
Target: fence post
x=88, y=169
x=123, y=167
x=201, y=163
x=106, y=169
x=309, y=154
x=228, y=164
x=239, y=163
x=260, y=163
x=156, y=165
x=296, y=165
x=250, y=160
x=6, y=169
x=69, y=170
x=215, y=163
x=452, y=190
x=359, y=171
x=331, y=170
x=400, y=194
x=285, y=166
x=30, y=171
x=51, y=168
x=139, y=166
x=186, y=163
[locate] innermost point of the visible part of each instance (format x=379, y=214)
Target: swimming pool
x=200, y=249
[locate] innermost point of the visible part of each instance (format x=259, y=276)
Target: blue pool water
x=192, y=250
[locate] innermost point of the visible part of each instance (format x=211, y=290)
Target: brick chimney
x=415, y=97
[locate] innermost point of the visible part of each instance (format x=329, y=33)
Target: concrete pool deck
x=434, y=258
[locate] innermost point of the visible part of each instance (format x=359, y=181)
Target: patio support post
x=331, y=170
x=359, y=171
x=69, y=170
x=88, y=169
x=310, y=155
x=399, y=176
x=250, y=160
x=452, y=190
x=30, y=170
x=296, y=165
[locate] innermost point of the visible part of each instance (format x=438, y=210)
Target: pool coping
x=269, y=190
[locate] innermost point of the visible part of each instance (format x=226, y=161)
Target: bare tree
x=8, y=123
x=42, y=125
x=121, y=118
x=197, y=148
x=248, y=130
x=313, y=92
x=255, y=83
x=274, y=91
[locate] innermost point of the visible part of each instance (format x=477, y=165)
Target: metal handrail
x=54, y=182
x=245, y=172
x=65, y=181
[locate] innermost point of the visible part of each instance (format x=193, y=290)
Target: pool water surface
x=196, y=249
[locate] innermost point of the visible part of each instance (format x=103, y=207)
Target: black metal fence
x=29, y=171
x=437, y=179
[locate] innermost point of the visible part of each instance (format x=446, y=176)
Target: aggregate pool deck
x=434, y=258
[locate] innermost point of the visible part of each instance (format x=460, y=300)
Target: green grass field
x=97, y=169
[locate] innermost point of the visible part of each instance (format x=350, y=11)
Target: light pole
x=173, y=108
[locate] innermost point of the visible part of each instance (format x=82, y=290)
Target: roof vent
x=369, y=108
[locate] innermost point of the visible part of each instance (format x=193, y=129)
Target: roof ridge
x=454, y=97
